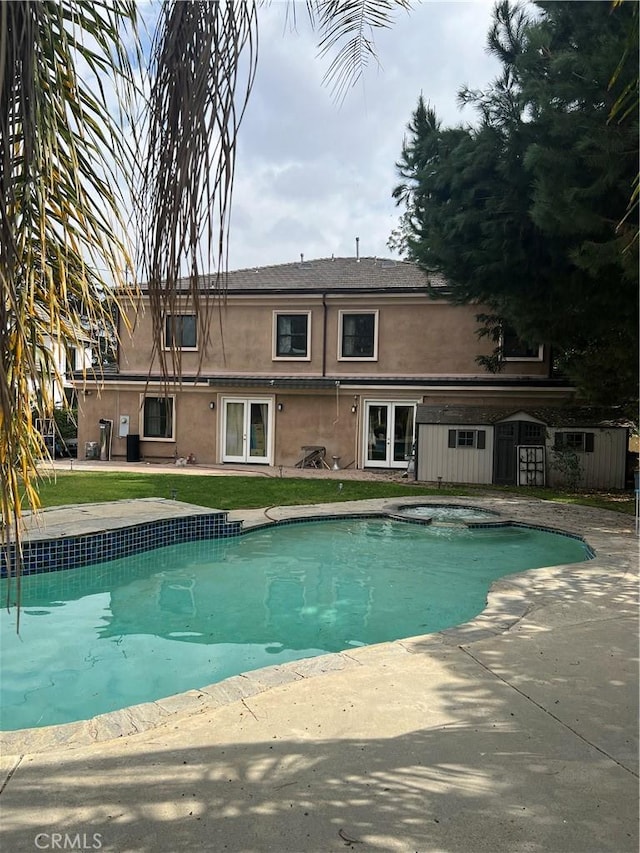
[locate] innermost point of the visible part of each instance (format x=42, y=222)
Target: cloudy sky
x=312, y=176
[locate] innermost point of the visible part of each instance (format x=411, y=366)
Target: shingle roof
x=561, y=416
x=327, y=274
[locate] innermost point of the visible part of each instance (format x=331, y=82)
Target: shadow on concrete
x=486, y=770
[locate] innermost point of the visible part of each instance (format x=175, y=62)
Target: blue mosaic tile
x=51, y=555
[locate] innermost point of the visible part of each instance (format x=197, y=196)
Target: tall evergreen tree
x=527, y=213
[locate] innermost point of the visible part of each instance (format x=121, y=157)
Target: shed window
x=578, y=441
x=467, y=438
x=531, y=433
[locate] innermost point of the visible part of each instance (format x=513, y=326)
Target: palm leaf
x=203, y=66
x=61, y=243
x=348, y=26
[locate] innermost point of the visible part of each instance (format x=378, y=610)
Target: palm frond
x=203, y=67
x=61, y=231
x=348, y=27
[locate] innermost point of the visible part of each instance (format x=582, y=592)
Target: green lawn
x=245, y=492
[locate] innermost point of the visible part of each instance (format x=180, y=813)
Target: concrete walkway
x=515, y=733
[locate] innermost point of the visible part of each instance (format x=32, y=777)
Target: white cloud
x=311, y=176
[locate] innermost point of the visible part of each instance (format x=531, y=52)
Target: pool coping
x=509, y=599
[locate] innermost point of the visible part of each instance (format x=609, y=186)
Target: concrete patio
x=516, y=732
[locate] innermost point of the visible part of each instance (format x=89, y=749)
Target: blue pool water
x=133, y=630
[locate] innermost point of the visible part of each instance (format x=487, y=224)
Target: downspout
x=324, y=335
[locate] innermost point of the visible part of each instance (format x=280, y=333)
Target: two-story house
x=332, y=353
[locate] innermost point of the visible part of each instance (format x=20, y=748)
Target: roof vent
x=357, y=249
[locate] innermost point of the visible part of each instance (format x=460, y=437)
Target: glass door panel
x=234, y=435
x=377, y=434
x=246, y=436
x=402, y=432
x=389, y=434
x=258, y=433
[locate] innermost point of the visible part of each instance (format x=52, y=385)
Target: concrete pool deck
x=516, y=732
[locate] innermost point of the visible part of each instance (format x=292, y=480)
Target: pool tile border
x=41, y=556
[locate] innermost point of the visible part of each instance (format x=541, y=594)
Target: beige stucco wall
x=313, y=419
x=417, y=336
x=307, y=417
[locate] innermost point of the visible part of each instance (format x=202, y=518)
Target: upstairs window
x=515, y=349
x=358, y=335
x=291, y=336
x=180, y=331
x=467, y=438
x=582, y=442
x=157, y=418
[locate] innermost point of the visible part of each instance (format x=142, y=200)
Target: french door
x=389, y=434
x=246, y=430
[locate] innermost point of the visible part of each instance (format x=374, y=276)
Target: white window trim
x=164, y=331
x=341, y=314
x=166, y=439
x=274, y=336
x=271, y=404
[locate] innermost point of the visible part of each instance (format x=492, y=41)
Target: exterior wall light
x=212, y=405
x=280, y=406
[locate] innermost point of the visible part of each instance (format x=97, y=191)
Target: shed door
x=504, y=454
x=508, y=436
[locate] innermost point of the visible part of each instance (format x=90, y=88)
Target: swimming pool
x=134, y=630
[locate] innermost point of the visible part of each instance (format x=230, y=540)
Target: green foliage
x=527, y=213
x=66, y=422
x=566, y=462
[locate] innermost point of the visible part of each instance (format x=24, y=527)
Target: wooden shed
x=577, y=446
